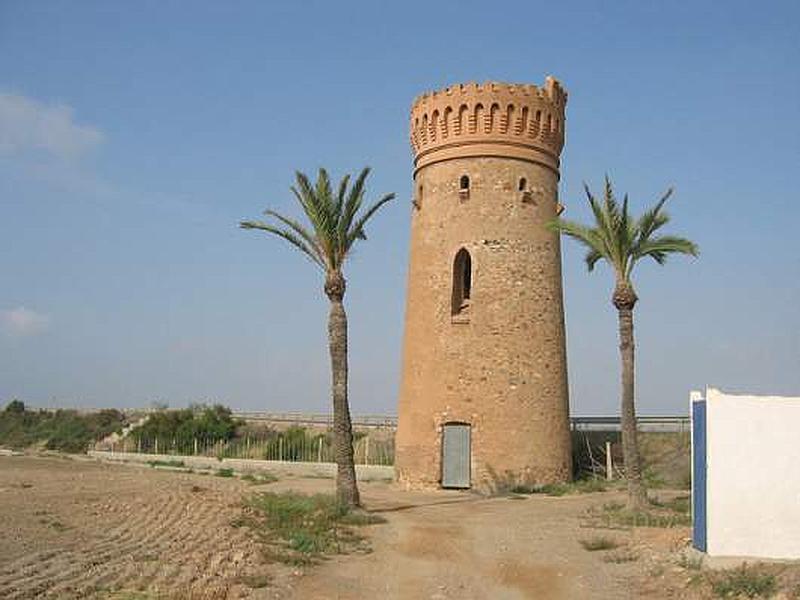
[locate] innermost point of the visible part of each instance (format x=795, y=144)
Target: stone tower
x=483, y=398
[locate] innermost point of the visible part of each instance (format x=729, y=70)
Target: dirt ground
x=78, y=528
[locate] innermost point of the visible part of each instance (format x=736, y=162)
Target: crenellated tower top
x=509, y=120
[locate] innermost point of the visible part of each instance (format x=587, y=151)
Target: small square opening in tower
x=463, y=187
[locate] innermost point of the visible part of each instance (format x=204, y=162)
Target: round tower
x=483, y=399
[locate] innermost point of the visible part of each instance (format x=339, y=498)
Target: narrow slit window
x=462, y=283
x=464, y=183
x=523, y=184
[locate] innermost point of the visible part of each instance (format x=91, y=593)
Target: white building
x=746, y=474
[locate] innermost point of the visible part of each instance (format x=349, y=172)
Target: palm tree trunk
x=346, y=487
x=637, y=495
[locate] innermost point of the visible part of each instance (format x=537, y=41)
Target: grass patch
x=224, y=473
x=690, y=563
x=259, y=479
x=52, y=523
x=129, y=595
x=615, y=515
x=749, y=581
x=580, y=486
x=360, y=518
x=256, y=581
x=679, y=504
x=149, y=558
x=300, y=529
x=620, y=556
x=175, y=464
x=59, y=526
x=599, y=542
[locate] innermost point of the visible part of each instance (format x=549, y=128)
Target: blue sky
x=134, y=136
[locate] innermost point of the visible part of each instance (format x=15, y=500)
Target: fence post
x=319, y=450
x=609, y=462
x=366, y=450
x=280, y=448
x=156, y=446
x=195, y=445
x=138, y=445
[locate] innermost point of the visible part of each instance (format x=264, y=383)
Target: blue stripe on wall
x=699, y=475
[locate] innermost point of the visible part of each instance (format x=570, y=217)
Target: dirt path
x=82, y=529
x=457, y=545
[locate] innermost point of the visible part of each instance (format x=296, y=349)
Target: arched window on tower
x=462, y=284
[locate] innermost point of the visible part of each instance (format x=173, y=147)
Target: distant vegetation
x=64, y=430
x=180, y=428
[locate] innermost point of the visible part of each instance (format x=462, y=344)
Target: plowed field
x=82, y=529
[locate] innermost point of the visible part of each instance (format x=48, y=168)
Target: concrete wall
x=241, y=465
x=753, y=475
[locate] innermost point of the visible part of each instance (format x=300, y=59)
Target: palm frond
x=575, y=230
x=588, y=236
x=354, y=200
x=340, y=195
x=620, y=239
x=357, y=231
x=334, y=218
x=287, y=235
x=659, y=247
x=324, y=195
x=591, y=258
x=653, y=219
x=299, y=230
x=307, y=196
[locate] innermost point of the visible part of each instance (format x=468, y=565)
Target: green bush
x=299, y=529
x=579, y=486
x=63, y=430
x=615, y=515
x=296, y=444
x=748, y=581
x=178, y=429
x=599, y=542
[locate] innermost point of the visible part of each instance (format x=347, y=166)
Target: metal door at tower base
x=456, y=455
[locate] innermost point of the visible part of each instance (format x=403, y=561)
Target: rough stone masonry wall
x=503, y=371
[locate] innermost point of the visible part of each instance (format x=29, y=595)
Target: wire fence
x=285, y=447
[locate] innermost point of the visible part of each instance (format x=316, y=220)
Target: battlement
x=490, y=119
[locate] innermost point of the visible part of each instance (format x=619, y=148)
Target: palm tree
x=621, y=241
x=336, y=224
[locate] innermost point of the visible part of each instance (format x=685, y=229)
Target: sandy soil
x=73, y=529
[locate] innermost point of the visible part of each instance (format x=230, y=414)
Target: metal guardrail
x=677, y=423
x=646, y=423
x=664, y=423
x=386, y=421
